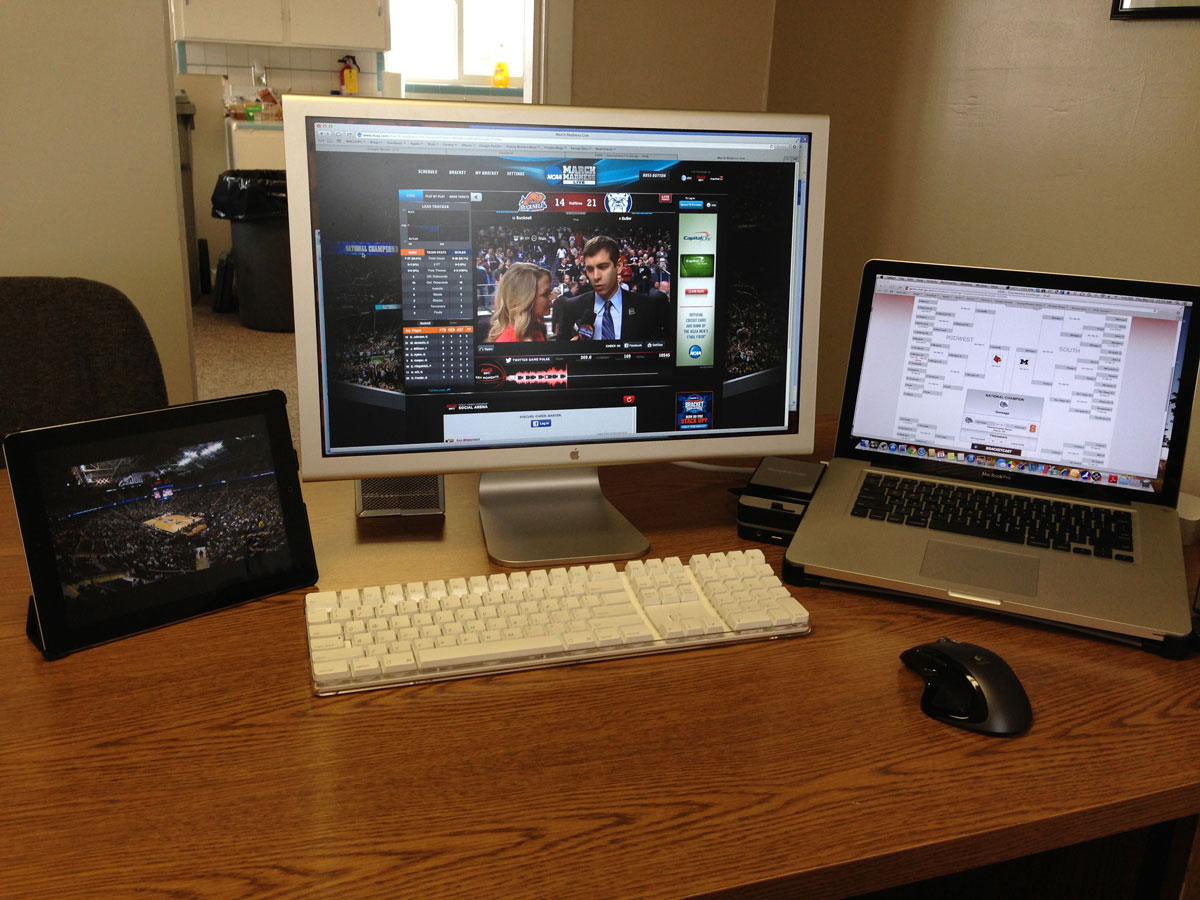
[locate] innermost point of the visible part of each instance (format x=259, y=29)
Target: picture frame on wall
x=1155, y=9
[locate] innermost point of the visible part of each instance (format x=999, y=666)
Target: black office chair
x=72, y=349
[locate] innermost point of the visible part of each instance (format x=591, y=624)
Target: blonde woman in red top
x=522, y=303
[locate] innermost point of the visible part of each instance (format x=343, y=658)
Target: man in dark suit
x=610, y=311
x=661, y=292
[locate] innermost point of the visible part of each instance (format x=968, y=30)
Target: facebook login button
x=512, y=427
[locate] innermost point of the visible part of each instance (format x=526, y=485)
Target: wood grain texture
x=193, y=761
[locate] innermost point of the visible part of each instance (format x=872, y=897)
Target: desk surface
x=194, y=760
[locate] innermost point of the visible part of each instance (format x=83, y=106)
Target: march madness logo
x=578, y=174
x=534, y=201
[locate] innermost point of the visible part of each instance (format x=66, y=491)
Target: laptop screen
x=1005, y=376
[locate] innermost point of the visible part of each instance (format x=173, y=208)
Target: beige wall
x=88, y=164
x=672, y=54
x=1013, y=133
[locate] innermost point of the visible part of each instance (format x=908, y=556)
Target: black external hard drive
x=769, y=521
x=775, y=498
x=785, y=479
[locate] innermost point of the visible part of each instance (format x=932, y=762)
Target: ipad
x=136, y=521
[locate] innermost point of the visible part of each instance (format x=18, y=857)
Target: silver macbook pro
x=1013, y=441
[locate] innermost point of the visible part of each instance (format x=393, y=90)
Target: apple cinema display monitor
x=699, y=340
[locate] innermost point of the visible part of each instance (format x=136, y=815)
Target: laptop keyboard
x=1015, y=518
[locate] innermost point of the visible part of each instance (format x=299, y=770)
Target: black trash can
x=255, y=203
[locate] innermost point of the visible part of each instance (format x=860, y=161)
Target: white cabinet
x=350, y=24
x=235, y=21
x=341, y=24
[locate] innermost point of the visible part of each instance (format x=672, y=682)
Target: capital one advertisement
x=697, y=284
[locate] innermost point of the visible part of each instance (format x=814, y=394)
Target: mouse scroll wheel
x=925, y=663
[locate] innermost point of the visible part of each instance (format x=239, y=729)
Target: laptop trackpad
x=994, y=569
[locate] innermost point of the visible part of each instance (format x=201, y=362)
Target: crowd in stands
x=113, y=547
x=754, y=333
x=357, y=285
x=645, y=254
x=371, y=358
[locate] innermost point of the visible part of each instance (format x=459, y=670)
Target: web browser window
x=1058, y=383
x=416, y=224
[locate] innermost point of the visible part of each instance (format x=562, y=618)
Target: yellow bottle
x=349, y=75
x=500, y=75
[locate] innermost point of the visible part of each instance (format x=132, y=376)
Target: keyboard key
x=615, y=607
x=364, y=667
x=635, y=634
x=338, y=653
x=328, y=673
x=511, y=648
x=668, y=625
x=325, y=643
x=325, y=600
x=607, y=636
x=395, y=663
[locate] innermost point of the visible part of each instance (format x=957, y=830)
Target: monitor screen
x=488, y=287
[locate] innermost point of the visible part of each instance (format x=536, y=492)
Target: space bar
x=467, y=654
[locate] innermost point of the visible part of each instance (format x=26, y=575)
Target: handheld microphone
x=585, y=328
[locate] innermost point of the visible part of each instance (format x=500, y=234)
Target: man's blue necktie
x=607, y=332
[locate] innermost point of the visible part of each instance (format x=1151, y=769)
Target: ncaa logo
x=618, y=203
x=694, y=351
x=554, y=175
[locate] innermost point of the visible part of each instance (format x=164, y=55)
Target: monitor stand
x=538, y=517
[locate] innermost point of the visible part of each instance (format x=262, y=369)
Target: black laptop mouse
x=970, y=687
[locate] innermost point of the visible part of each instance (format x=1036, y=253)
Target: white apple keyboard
x=402, y=634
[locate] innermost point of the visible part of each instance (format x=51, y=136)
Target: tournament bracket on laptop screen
x=1063, y=384
x=412, y=238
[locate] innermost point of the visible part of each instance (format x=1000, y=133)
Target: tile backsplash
x=301, y=70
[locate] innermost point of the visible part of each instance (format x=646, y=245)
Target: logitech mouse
x=970, y=687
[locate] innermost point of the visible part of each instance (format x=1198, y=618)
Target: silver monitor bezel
x=317, y=465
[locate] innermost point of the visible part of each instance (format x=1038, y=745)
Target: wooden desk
x=194, y=761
